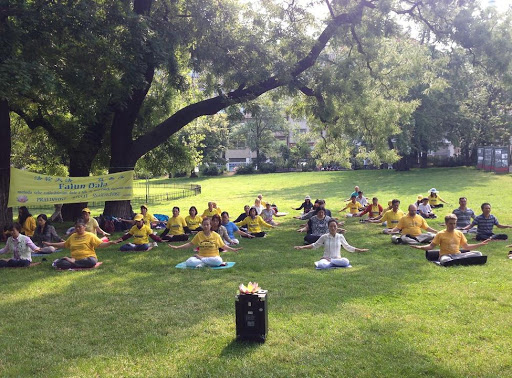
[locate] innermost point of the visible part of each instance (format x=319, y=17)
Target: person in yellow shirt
x=217, y=209
x=141, y=234
x=450, y=241
x=193, y=220
x=149, y=219
x=391, y=217
x=175, y=227
x=210, y=211
x=260, y=197
x=208, y=243
x=434, y=200
x=83, y=246
x=27, y=221
x=410, y=227
x=353, y=206
x=91, y=224
x=254, y=222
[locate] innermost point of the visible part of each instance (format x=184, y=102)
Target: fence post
x=147, y=189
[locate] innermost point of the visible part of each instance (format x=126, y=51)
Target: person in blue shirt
x=232, y=228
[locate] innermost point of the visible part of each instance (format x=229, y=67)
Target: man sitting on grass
x=450, y=241
x=353, y=206
x=373, y=210
x=464, y=215
x=410, y=226
x=391, y=217
x=485, y=223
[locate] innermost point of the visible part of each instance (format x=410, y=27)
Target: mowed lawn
x=391, y=314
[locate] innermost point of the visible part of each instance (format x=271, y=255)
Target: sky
x=500, y=5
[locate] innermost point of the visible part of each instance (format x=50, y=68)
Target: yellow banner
x=28, y=188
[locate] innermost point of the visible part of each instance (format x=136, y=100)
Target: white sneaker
x=155, y=244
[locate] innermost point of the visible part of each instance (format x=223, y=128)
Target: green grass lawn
x=392, y=314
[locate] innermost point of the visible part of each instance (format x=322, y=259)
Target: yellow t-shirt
x=148, y=218
x=375, y=211
x=208, y=214
x=176, y=225
x=82, y=246
x=434, y=201
x=140, y=235
x=412, y=225
x=29, y=226
x=253, y=225
x=193, y=223
x=354, y=207
x=91, y=226
x=449, y=242
x=392, y=218
x=208, y=245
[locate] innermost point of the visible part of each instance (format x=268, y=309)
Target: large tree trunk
x=423, y=159
x=5, y=164
x=404, y=164
x=78, y=167
x=80, y=163
x=121, y=144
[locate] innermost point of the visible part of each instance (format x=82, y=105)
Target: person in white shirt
x=425, y=210
x=362, y=199
x=332, y=243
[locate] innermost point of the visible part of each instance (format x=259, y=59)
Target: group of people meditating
x=213, y=232
x=212, y=228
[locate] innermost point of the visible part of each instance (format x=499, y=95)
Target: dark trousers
x=175, y=238
x=258, y=234
x=12, y=263
x=136, y=247
x=310, y=239
x=88, y=262
x=480, y=237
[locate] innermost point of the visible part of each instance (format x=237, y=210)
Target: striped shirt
x=485, y=225
x=464, y=217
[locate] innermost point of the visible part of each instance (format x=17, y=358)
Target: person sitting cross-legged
x=434, y=199
x=316, y=226
x=254, y=222
x=373, y=210
x=175, y=228
x=83, y=246
x=484, y=225
x=391, y=217
x=464, y=215
x=410, y=227
x=141, y=233
x=450, y=241
x=21, y=247
x=425, y=210
x=231, y=228
x=307, y=205
x=362, y=199
x=332, y=242
x=353, y=206
x=208, y=243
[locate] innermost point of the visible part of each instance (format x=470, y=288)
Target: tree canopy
x=122, y=78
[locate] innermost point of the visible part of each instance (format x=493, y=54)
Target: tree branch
x=213, y=105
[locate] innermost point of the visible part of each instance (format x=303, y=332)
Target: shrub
x=245, y=170
x=267, y=168
x=210, y=170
